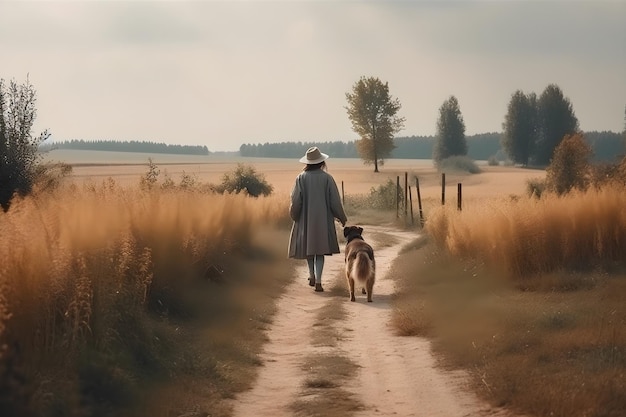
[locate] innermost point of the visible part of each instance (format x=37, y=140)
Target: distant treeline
x=607, y=146
x=127, y=146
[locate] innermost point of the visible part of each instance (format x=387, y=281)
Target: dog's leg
x=351, y=285
x=370, y=288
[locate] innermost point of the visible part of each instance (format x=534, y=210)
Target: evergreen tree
x=450, y=138
x=556, y=119
x=520, y=127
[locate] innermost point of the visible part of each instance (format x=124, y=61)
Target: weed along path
x=327, y=356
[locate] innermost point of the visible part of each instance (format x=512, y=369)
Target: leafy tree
x=19, y=156
x=556, y=119
x=570, y=166
x=373, y=113
x=450, y=140
x=520, y=127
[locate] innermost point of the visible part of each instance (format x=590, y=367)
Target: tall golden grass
x=83, y=265
x=530, y=236
x=527, y=295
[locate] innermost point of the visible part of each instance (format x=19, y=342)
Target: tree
x=450, y=140
x=373, y=113
x=19, y=155
x=570, y=167
x=556, y=119
x=520, y=127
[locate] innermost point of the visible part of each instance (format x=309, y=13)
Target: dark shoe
x=318, y=288
x=312, y=282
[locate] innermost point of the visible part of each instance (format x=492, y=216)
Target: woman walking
x=315, y=204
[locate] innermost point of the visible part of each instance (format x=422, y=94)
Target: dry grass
x=528, y=297
x=528, y=236
x=99, y=283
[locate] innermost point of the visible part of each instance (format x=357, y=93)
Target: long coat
x=315, y=203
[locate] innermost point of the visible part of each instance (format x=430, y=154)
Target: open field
x=156, y=302
x=126, y=168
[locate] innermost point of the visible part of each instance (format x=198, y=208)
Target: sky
x=225, y=73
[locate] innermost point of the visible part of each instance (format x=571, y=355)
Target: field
x=122, y=291
x=126, y=168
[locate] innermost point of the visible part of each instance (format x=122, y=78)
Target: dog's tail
x=362, y=268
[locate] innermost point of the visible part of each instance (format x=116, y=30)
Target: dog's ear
x=346, y=230
x=360, y=230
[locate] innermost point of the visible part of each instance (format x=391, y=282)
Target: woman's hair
x=313, y=167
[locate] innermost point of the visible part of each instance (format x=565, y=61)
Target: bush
x=570, y=167
x=459, y=163
x=493, y=161
x=535, y=187
x=245, y=178
x=19, y=156
x=386, y=196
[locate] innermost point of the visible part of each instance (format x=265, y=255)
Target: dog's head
x=353, y=232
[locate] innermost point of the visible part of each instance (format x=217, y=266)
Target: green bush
x=245, y=178
x=535, y=187
x=459, y=163
x=493, y=161
x=385, y=196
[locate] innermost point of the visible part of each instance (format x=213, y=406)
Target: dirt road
x=396, y=376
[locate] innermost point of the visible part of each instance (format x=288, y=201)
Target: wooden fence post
x=419, y=201
x=397, y=197
x=406, y=185
x=411, y=203
x=459, y=196
x=443, y=188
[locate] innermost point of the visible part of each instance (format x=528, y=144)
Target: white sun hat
x=313, y=156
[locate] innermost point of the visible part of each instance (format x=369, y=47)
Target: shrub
x=535, y=187
x=386, y=196
x=569, y=168
x=493, y=161
x=459, y=163
x=19, y=156
x=245, y=178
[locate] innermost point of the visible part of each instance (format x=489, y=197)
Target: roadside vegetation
x=122, y=301
x=526, y=293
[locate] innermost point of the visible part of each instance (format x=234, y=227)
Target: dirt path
x=397, y=375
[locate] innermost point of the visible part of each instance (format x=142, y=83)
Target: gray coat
x=315, y=203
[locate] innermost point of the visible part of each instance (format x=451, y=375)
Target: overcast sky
x=223, y=73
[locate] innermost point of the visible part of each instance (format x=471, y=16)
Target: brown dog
x=360, y=263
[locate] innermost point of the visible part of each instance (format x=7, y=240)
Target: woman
x=315, y=204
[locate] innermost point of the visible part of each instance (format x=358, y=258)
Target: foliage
x=570, y=166
x=535, y=187
x=556, y=119
x=386, y=196
x=373, y=113
x=450, y=132
x=150, y=178
x=245, y=179
x=520, y=127
x=459, y=163
x=18, y=147
x=294, y=150
x=493, y=161
x=127, y=146
x=102, y=288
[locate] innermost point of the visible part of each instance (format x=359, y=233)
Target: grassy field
x=117, y=300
